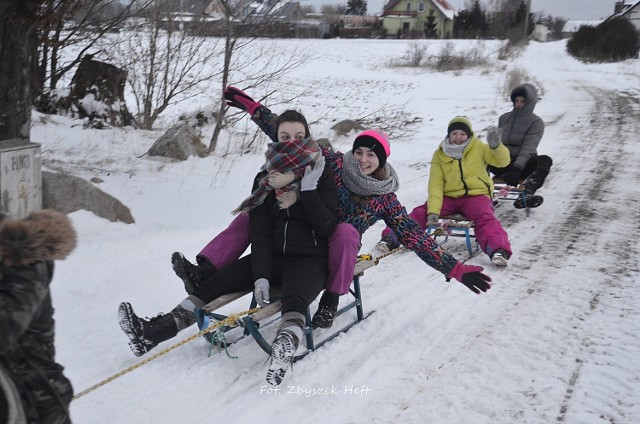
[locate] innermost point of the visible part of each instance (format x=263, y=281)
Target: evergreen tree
x=356, y=7
x=430, y=28
x=471, y=23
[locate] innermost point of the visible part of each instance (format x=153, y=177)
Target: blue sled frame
x=252, y=323
x=456, y=226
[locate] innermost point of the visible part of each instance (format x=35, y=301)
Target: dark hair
x=293, y=116
x=518, y=92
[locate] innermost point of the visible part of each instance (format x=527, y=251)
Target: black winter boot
x=327, y=308
x=192, y=275
x=145, y=334
x=528, y=200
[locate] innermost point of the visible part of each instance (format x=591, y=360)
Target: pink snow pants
x=344, y=244
x=489, y=232
x=227, y=246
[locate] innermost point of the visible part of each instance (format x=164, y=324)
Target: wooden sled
x=503, y=191
x=455, y=226
x=256, y=321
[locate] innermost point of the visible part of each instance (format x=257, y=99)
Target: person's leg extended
x=227, y=246
x=536, y=172
x=344, y=244
x=490, y=234
x=302, y=279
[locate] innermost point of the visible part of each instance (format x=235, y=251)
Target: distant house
x=195, y=16
x=265, y=18
x=571, y=27
x=630, y=12
x=418, y=18
x=273, y=11
x=541, y=33
x=358, y=21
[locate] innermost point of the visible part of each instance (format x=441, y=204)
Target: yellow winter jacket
x=467, y=176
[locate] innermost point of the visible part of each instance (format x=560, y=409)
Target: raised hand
x=238, y=98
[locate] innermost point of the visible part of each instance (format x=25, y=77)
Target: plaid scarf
x=365, y=185
x=292, y=156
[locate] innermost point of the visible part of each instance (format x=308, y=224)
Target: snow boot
x=282, y=351
x=284, y=346
x=145, y=334
x=529, y=201
x=500, y=257
x=192, y=275
x=387, y=244
x=327, y=309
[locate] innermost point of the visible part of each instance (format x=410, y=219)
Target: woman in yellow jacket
x=460, y=183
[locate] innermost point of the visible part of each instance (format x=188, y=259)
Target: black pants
x=302, y=278
x=533, y=174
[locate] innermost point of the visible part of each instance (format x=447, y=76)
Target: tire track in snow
x=596, y=202
x=547, y=363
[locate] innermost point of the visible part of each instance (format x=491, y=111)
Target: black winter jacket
x=301, y=230
x=27, y=251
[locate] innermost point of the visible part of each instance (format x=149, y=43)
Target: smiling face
x=458, y=137
x=367, y=160
x=289, y=131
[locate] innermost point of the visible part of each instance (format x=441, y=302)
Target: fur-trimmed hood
x=43, y=236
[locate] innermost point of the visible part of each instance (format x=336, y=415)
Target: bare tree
x=76, y=23
x=164, y=63
x=239, y=65
x=510, y=19
x=18, y=24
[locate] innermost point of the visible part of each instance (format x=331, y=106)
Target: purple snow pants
x=227, y=246
x=344, y=244
x=489, y=232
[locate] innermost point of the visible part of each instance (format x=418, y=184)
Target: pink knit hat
x=375, y=140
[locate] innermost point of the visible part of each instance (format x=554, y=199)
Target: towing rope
x=231, y=320
x=376, y=260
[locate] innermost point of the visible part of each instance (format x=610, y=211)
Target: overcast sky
x=568, y=9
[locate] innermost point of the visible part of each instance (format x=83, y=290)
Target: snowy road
x=557, y=338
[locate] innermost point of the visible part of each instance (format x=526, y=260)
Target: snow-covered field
x=555, y=340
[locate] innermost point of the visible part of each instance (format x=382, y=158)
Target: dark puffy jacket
x=300, y=230
x=27, y=251
x=522, y=129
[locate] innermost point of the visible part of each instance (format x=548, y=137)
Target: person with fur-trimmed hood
x=522, y=131
x=33, y=386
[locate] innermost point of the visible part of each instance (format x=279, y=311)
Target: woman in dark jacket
x=27, y=353
x=289, y=249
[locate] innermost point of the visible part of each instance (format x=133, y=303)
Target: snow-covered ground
x=555, y=340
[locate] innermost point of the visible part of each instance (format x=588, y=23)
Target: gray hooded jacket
x=522, y=129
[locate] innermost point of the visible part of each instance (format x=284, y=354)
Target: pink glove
x=471, y=276
x=238, y=98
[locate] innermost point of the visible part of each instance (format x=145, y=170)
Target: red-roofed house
x=413, y=18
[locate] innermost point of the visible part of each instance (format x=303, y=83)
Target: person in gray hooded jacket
x=522, y=131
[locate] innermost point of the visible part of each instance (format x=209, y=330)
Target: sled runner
x=503, y=192
x=263, y=317
x=455, y=226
